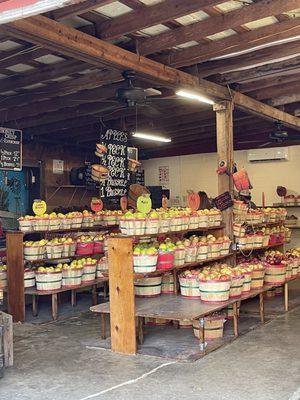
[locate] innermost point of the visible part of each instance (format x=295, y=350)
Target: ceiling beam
x=148, y=16
x=268, y=82
x=21, y=56
x=285, y=99
x=211, y=26
x=245, y=61
x=81, y=46
x=232, y=44
x=79, y=8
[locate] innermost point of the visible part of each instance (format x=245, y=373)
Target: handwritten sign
x=116, y=186
x=144, y=204
x=10, y=149
x=39, y=207
x=96, y=204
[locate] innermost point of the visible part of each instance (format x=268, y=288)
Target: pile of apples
x=38, y=243
x=216, y=272
x=3, y=267
x=274, y=257
x=145, y=249
x=85, y=239
x=58, y=268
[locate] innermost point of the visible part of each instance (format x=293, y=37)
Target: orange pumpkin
x=193, y=201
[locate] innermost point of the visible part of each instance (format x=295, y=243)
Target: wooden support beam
x=8, y=339
x=121, y=296
x=268, y=82
x=224, y=124
x=148, y=16
x=15, y=276
x=83, y=47
x=254, y=58
x=211, y=26
x=22, y=56
x=76, y=9
x=232, y=44
x=285, y=99
x=282, y=89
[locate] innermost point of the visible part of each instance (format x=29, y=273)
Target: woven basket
x=46, y=281
x=247, y=282
x=179, y=257
x=189, y=287
x=202, y=252
x=3, y=279
x=54, y=224
x=29, y=278
x=203, y=221
x=33, y=253
x=144, y=263
x=289, y=270
x=236, y=287
x=225, y=247
x=25, y=225
x=152, y=226
x=295, y=268
x=89, y=272
x=88, y=222
x=213, y=327
x=54, y=251
x=257, y=279
x=191, y=254
x=275, y=274
x=71, y=277
x=148, y=287
x=214, y=291
x=69, y=249
x=167, y=284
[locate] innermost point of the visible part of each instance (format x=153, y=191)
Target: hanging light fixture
x=194, y=96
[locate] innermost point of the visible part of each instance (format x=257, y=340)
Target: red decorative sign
x=123, y=203
x=193, y=201
x=96, y=204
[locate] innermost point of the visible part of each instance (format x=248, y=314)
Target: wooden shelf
x=34, y=291
x=265, y=224
x=185, y=231
x=262, y=248
x=285, y=205
x=85, y=229
x=49, y=260
x=181, y=267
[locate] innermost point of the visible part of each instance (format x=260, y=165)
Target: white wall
x=198, y=172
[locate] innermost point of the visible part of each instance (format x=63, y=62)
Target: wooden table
x=54, y=293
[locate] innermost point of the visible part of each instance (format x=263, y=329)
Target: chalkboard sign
x=224, y=201
x=116, y=161
x=10, y=149
x=89, y=181
x=140, y=177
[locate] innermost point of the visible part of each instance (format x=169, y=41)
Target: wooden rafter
x=83, y=47
x=145, y=17
x=232, y=44
x=75, y=9
x=211, y=26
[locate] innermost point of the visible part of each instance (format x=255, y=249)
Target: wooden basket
x=29, y=278
x=212, y=291
x=202, y=251
x=236, y=287
x=144, y=263
x=46, y=281
x=191, y=254
x=54, y=251
x=148, y=287
x=247, y=282
x=185, y=324
x=89, y=272
x=71, y=277
x=3, y=279
x=69, y=249
x=179, y=257
x=275, y=274
x=213, y=327
x=189, y=287
x=289, y=270
x=152, y=226
x=257, y=279
x=157, y=321
x=167, y=285
x=33, y=253
x=295, y=268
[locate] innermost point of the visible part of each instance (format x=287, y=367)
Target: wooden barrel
x=236, y=286
x=213, y=291
x=189, y=287
x=89, y=272
x=71, y=277
x=148, y=287
x=275, y=274
x=213, y=327
x=46, y=281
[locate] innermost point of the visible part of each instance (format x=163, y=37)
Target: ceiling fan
x=278, y=136
x=131, y=96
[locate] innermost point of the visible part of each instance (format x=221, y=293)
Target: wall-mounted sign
x=115, y=159
x=10, y=149
x=96, y=204
x=144, y=203
x=58, y=167
x=39, y=207
x=164, y=176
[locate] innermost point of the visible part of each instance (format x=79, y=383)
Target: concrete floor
x=55, y=362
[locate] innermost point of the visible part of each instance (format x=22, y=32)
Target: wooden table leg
x=175, y=282
x=94, y=295
x=262, y=308
x=105, y=289
x=201, y=335
x=73, y=297
x=103, y=326
x=286, y=296
x=235, y=319
x=34, y=305
x=54, y=306
x=140, y=331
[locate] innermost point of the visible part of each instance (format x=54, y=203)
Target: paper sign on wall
x=58, y=166
x=164, y=179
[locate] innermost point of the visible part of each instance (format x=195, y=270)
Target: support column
x=15, y=276
x=122, y=301
x=224, y=125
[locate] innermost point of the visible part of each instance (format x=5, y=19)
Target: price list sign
x=116, y=161
x=10, y=149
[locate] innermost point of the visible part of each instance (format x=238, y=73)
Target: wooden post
x=7, y=323
x=15, y=275
x=286, y=296
x=235, y=319
x=262, y=308
x=224, y=125
x=122, y=302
